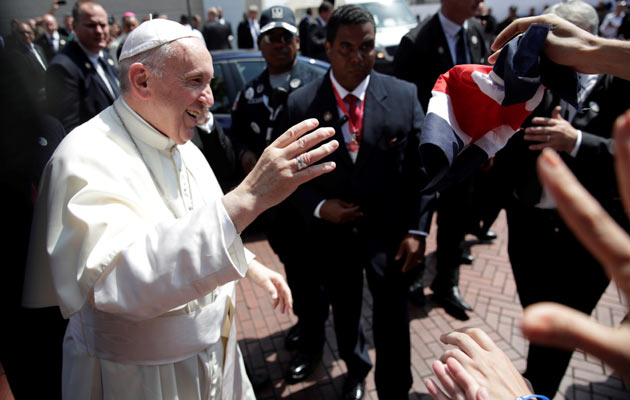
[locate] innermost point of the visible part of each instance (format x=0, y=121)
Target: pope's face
x=182, y=96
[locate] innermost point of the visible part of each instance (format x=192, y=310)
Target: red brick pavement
x=487, y=285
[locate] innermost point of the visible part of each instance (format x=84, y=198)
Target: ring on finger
x=300, y=164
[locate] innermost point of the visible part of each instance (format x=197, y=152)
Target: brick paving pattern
x=487, y=285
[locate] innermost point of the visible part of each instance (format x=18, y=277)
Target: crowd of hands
x=473, y=367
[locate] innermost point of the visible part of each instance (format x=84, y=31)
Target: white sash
x=168, y=338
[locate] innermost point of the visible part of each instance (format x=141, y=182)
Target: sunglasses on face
x=284, y=37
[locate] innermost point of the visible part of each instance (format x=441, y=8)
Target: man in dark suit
x=452, y=36
x=303, y=28
x=27, y=65
x=51, y=41
x=248, y=30
x=548, y=261
x=216, y=34
x=82, y=80
x=366, y=213
x=316, y=34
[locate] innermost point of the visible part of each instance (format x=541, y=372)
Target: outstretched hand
x=272, y=282
x=475, y=369
x=277, y=174
x=566, y=44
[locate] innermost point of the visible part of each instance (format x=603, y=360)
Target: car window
x=222, y=103
x=390, y=14
x=249, y=69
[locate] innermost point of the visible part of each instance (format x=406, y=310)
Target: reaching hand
x=475, y=369
x=555, y=132
x=273, y=283
x=277, y=173
x=569, y=45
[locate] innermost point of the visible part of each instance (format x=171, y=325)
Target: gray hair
x=577, y=12
x=154, y=59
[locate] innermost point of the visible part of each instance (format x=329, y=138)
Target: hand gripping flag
x=475, y=109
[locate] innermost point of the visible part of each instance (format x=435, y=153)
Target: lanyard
x=355, y=131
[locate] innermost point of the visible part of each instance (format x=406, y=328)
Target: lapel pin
x=440, y=50
x=295, y=83
x=327, y=116
x=88, y=65
x=110, y=62
x=259, y=88
x=474, y=40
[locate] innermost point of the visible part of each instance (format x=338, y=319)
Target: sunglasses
x=284, y=37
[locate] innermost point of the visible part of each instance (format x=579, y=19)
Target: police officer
x=259, y=102
x=253, y=118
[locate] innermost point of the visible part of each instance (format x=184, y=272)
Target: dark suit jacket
x=386, y=179
x=593, y=164
x=29, y=74
x=47, y=46
x=423, y=54
x=316, y=40
x=74, y=89
x=216, y=35
x=303, y=28
x=245, y=39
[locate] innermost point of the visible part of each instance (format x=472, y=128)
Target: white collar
x=450, y=28
x=358, y=92
x=140, y=129
x=92, y=56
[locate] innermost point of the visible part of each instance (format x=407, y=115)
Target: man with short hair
x=82, y=80
x=450, y=37
x=135, y=242
x=51, y=41
x=28, y=64
x=128, y=24
x=367, y=214
x=216, y=34
x=316, y=34
x=249, y=29
x=253, y=121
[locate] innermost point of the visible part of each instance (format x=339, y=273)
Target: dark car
x=232, y=70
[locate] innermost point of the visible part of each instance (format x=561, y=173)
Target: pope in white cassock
x=135, y=242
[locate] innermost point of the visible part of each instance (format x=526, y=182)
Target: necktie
x=353, y=115
x=112, y=81
x=460, y=48
x=37, y=57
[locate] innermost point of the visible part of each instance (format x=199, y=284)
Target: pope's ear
x=139, y=77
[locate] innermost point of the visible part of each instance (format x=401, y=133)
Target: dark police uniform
x=253, y=123
x=257, y=103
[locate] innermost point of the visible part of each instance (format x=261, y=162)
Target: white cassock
x=146, y=278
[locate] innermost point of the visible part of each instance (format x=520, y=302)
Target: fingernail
x=483, y=394
x=550, y=158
